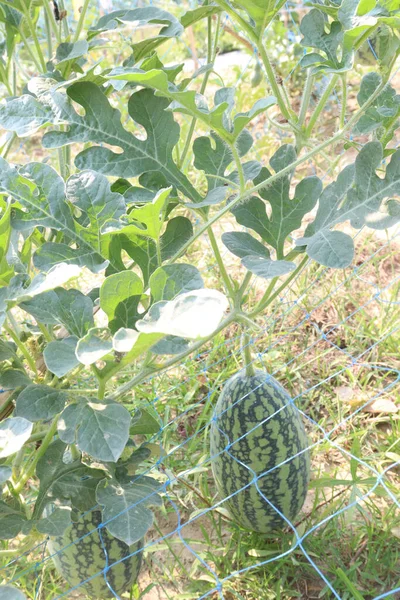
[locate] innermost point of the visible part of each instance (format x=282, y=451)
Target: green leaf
x=70, y=51
x=56, y=523
x=213, y=160
x=135, y=345
x=141, y=16
x=192, y=315
x=44, y=200
x=169, y=281
x=94, y=345
x=179, y=230
x=91, y=193
x=243, y=244
x=286, y=213
x=50, y=469
x=10, y=379
x=365, y=199
x=59, y=356
x=25, y=115
x=51, y=463
x=261, y=12
x=266, y=268
x=102, y=124
x=124, y=339
x=125, y=507
x=357, y=195
x=39, y=402
x=215, y=196
x=383, y=109
x=5, y=231
x=9, y=592
x=385, y=44
x=194, y=104
x=332, y=249
x=359, y=16
x=20, y=290
x=327, y=38
x=171, y=344
x=330, y=201
x=193, y=16
x=5, y=474
x=14, y=432
x=70, y=308
x=141, y=249
x=147, y=220
x=144, y=423
x=11, y=522
x=119, y=298
x=101, y=430
x=79, y=487
x=7, y=350
x=41, y=192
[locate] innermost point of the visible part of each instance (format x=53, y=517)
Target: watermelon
x=83, y=558
x=258, y=421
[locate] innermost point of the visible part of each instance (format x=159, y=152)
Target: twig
x=236, y=35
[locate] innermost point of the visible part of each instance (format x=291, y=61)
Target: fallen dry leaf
x=381, y=405
x=396, y=532
x=345, y=392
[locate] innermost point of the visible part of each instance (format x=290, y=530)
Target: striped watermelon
x=83, y=558
x=261, y=443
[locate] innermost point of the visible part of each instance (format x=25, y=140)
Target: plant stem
x=211, y=53
x=36, y=437
x=4, y=78
x=22, y=348
x=267, y=182
x=321, y=104
x=52, y=21
x=305, y=100
x=267, y=299
x=46, y=334
x=239, y=166
x=267, y=293
x=27, y=474
x=48, y=36
x=224, y=274
x=263, y=55
x=81, y=21
x=38, y=48
x=248, y=361
x=7, y=146
x=243, y=287
x=102, y=388
x=29, y=50
x=158, y=250
x=64, y=22
x=274, y=84
x=344, y=101
x=391, y=126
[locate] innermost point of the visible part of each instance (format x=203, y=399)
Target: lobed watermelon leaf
x=125, y=507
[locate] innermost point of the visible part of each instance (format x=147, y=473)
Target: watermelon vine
x=126, y=208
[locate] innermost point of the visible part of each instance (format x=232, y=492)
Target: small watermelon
x=259, y=422
x=83, y=558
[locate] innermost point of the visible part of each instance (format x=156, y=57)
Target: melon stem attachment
x=248, y=361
